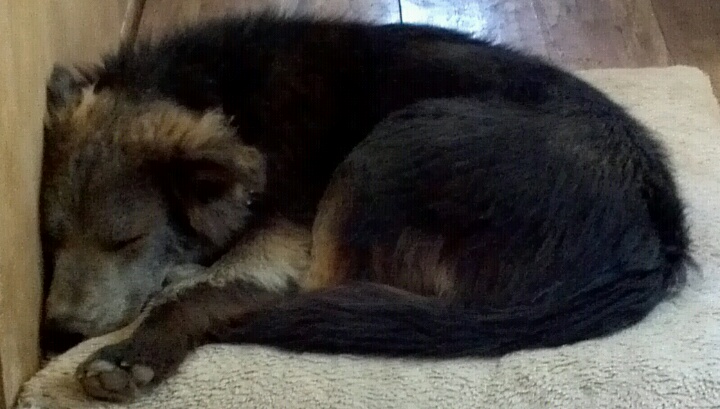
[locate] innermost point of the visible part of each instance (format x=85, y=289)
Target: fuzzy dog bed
x=671, y=360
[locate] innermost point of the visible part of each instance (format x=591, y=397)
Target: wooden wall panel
x=33, y=34
x=24, y=58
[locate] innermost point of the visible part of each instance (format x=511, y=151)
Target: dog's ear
x=214, y=185
x=64, y=90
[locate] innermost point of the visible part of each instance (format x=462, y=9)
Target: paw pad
x=105, y=379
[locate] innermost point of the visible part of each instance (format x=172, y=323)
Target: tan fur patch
x=160, y=124
x=170, y=129
x=273, y=258
x=415, y=264
x=331, y=260
x=157, y=129
x=270, y=257
x=85, y=106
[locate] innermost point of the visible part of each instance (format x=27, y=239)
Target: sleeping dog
x=344, y=187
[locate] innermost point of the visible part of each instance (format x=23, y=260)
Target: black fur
x=510, y=159
x=308, y=91
x=558, y=205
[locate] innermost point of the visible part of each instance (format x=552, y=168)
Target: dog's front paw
x=114, y=373
x=120, y=372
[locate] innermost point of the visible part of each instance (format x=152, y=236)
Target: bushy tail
x=379, y=320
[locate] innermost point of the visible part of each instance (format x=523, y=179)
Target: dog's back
x=308, y=91
x=495, y=202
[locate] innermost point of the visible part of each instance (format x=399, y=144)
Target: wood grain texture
x=83, y=30
x=24, y=58
x=512, y=22
x=34, y=33
x=131, y=22
x=692, y=33
x=581, y=34
x=162, y=16
x=572, y=33
x=600, y=34
x=379, y=11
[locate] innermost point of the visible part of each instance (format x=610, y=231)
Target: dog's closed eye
x=125, y=243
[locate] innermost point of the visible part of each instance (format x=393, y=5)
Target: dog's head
x=131, y=186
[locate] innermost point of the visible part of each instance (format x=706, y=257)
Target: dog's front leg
x=262, y=268
x=179, y=274
x=167, y=335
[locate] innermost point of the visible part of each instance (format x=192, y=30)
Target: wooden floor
x=573, y=33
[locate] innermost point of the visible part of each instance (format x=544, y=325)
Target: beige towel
x=671, y=360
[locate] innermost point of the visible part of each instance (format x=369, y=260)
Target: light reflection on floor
x=467, y=16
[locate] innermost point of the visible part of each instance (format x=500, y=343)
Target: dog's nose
x=54, y=338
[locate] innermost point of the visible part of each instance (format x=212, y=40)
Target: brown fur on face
x=130, y=188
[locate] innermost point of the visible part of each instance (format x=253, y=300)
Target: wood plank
x=372, y=10
x=162, y=16
x=34, y=33
x=378, y=11
x=24, y=58
x=600, y=34
x=692, y=34
x=83, y=30
x=512, y=22
x=131, y=23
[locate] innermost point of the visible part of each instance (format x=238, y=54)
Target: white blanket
x=671, y=360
